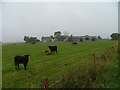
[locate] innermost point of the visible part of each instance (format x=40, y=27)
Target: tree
x=32, y=40
x=86, y=38
x=57, y=35
x=115, y=36
x=99, y=37
x=26, y=39
x=52, y=37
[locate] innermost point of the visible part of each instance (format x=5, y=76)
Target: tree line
x=32, y=40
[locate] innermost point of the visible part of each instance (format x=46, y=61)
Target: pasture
x=40, y=66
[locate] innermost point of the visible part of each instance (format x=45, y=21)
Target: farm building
x=84, y=38
x=64, y=38
x=75, y=38
x=88, y=38
x=49, y=39
x=46, y=39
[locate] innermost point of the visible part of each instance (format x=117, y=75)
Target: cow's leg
x=25, y=65
x=18, y=66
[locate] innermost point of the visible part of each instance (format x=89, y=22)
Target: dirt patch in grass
x=58, y=65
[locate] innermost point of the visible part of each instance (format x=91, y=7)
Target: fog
x=39, y=19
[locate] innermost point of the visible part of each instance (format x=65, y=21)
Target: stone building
x=46, y=39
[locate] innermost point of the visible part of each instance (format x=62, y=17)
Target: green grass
x=109, y=77
x=41, y=66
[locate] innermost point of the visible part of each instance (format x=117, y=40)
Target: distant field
x=14, y=43
x=40, y=66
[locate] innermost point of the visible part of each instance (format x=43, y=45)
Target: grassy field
x=40, y=66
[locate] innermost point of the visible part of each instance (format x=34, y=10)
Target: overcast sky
x=39, y=19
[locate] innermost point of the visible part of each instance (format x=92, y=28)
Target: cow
x=53, y=48
x=21, y=60
x=74, y=43
x=48, y=52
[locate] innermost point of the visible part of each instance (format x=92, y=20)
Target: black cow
x=21, y=60
x=74, y=43
x=53, y=48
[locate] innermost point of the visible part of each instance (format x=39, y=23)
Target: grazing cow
x=74, y=43
x=21, y=60
x=53, y=48
x=48, y=53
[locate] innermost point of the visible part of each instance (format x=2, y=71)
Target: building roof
x=46, y=38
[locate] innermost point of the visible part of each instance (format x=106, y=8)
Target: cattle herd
x=24, y=59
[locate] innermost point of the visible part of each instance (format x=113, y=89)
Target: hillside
x=40, y=66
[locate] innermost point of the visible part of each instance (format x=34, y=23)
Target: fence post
x=45, y=83
x=94, y=58
x=94, y=66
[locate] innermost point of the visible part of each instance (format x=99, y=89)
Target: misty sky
x=39, y=19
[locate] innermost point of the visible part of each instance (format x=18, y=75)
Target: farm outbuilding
x=46, y=39
x=88, y=38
